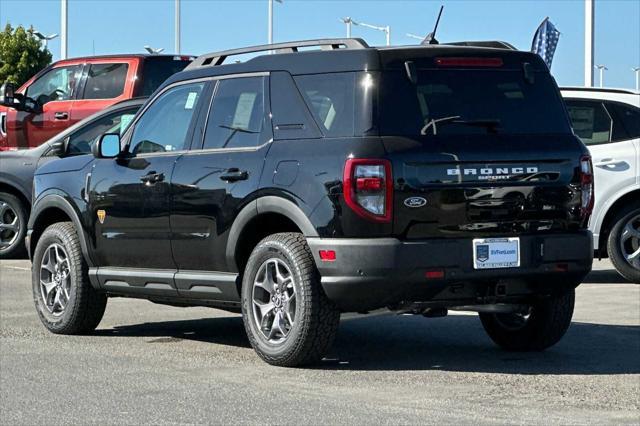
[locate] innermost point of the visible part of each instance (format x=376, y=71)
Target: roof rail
x=218, y=58
x=496, y=44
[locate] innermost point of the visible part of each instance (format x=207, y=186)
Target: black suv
x=305, y=183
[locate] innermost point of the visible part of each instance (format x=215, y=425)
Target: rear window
x=470, y=102
x=156, y=71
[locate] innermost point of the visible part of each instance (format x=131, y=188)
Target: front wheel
x=287, y=316
x=65, y=300
x=541, y=326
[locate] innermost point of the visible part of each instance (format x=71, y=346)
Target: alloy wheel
x=630, y=242
x=55, y=280
x=9, y=225
x=273, y=301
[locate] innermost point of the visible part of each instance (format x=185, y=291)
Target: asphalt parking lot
x=148, y=363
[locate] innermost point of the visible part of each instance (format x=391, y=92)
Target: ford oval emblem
x=414, y=202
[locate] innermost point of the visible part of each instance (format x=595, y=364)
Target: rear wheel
x=65, y=300
x=287, y=316
x=623, y=243
x=13, y=226
x=541, y=326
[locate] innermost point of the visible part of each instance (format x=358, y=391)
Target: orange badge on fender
x=101, y=215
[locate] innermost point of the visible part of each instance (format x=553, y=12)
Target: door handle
x=608, y=162
x=152, y=177
x=61, y=115
x=234, y=174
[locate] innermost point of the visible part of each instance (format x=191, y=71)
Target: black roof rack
x=218, y=58
x=496, y=44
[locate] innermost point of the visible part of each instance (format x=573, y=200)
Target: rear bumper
x=375, y=272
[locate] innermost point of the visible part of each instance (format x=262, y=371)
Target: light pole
x=64, y=16
x=637, y=71
x=348, y=22
x=386, y=30
x=270, y=31
x=602, y=69
x=153, y=50
x=44, y=38
x=177, y=25
x=589, y=15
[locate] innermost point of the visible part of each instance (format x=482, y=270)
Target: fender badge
x=415, y=202
x=101, y=215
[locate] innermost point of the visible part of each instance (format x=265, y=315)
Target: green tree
x=21, y=55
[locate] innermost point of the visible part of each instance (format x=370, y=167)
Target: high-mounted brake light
x=586, y=187
x=368, y=188
x=469, y=62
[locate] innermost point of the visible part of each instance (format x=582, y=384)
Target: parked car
x=18, y=167
x=329, y=177
x=608, y=122
x=70, y=90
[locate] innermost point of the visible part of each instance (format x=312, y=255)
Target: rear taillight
x=586, y=186
x=368, y=188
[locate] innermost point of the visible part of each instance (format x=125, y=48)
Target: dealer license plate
x=493, y=253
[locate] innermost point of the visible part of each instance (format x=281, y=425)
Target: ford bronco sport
x=305, y=183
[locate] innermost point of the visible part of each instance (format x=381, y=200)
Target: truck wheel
x=65, y=301
x=623, y=243
x=13, y=226
x=541, y=327
x=288, y=318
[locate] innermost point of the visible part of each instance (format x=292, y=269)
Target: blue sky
x=116, y=26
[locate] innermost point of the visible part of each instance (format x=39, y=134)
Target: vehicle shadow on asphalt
x=456, y=343
x=604, y=276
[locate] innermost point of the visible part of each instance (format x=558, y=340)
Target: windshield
x=470, y=102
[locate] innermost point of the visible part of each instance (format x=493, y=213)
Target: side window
x=105, y=81
x=626, y=118
x=58, y=84
x=164, y=125
x=590, y=120
x=330, y=98
x=238, y=114
x=80, y=141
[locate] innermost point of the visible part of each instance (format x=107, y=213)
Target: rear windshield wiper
x=490, y=124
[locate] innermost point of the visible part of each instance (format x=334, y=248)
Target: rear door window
x=105, y=81
x=590, y=120
x=238, y=114
x=330, y=97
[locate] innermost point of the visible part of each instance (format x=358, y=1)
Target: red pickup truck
x=68, y=91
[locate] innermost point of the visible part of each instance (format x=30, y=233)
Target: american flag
x=545, y=41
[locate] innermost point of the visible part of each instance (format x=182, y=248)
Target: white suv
x=608, y=122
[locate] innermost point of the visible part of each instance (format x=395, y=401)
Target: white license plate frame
x=496, y=253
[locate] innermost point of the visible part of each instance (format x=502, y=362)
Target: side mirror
x=58, y=148
x=8, y=95
x=108, y=146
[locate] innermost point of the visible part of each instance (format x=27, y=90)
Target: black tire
x=547, y=322
x=614, y=246
x=85, y=306
x=16, y=213
x=316, y=317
